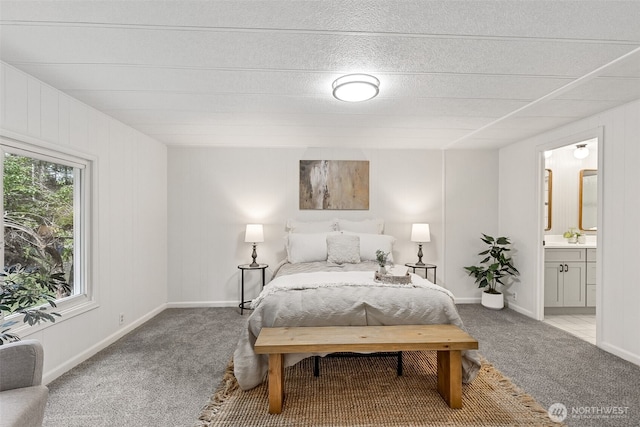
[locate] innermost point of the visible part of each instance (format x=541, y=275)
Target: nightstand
x=426, y=267
x=243, y=268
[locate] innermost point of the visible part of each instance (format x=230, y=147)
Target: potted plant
x=574, y=236
x=495, y=267
x=381, y=257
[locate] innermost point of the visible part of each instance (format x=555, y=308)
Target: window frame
x=85, y=167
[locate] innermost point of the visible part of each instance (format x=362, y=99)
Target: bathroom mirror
x=548, y=192
x=588, y=206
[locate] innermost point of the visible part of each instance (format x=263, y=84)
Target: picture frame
x=334, y=184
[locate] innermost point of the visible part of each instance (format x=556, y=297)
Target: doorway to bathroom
x=570, y=206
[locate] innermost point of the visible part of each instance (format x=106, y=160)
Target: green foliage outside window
x=38, y=199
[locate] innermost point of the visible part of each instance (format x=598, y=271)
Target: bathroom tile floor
x=581, y=325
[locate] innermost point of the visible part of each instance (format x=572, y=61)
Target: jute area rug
x=367, y=392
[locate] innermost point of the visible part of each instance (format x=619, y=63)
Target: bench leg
x=450, y=377
x=276, y=383
x=316, y=366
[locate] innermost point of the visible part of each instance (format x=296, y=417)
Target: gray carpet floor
x=163, y=372
x=160, y=374
x=554, y=366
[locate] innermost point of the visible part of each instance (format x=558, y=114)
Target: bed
x=307, y=290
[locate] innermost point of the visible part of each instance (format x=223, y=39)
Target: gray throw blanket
x=318, y=294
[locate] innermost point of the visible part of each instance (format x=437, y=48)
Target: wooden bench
x=447, y=340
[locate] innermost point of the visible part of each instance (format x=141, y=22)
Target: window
x=45, y=205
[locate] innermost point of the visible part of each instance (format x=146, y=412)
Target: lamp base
x=254, y=255
x=419, y=255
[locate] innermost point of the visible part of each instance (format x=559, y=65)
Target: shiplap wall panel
x=78, y=125
x=120, y=205
x=150, y=168
x=16, y=101
x=130, y=222
x=33, y=104
x=64, y=122
x=611, y=293
x=631, y=220
x=49, y=120
x=518, y=209
x=471, y=198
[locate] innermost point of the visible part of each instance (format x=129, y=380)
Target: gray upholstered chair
x=22, y=396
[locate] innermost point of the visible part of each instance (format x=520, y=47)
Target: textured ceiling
x=454, y=74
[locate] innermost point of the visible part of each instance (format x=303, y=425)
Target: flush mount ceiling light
x=355, y=87
x=581, y=151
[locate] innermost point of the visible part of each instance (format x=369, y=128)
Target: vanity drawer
x=563, y=255
x=591, y=255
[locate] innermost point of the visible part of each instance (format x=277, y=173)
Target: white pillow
x=343, y=248
x=369, y=226
x=312, y=227
x=306, y=247
x=370, y=243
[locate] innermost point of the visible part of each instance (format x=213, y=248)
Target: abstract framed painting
x=334, y=184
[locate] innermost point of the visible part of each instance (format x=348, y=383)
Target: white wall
x=471, y=206
x=129, y=231
x=214, y=192
x=618, y=295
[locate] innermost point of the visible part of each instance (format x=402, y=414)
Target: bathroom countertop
x=567, y=245
x=557, y=241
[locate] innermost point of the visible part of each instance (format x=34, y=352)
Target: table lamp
x=254, y=234
x=420, y=233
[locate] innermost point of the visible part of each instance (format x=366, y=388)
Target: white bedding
x=310, y=297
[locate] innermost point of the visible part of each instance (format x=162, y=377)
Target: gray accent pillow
x=343, y=248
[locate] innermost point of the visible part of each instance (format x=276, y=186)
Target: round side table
x=247, y=267
x=426, y=267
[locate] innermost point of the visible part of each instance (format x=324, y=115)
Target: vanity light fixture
x=356, y=87
x=581, y=151
x=254, y=234
x=420, y=233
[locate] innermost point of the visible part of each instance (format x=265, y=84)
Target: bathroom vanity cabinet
x=569, y=277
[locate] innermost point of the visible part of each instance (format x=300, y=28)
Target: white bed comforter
x=341, y=298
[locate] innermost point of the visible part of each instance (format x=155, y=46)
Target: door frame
x=552, y=145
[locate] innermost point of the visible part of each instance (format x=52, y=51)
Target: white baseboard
x=510, y=305
x=624, y=354
x=71, y=363
x=520, y=310
x=202, y=304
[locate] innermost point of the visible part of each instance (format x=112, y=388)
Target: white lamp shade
x=581, y=152
x=420, y=233
x=254, y=233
